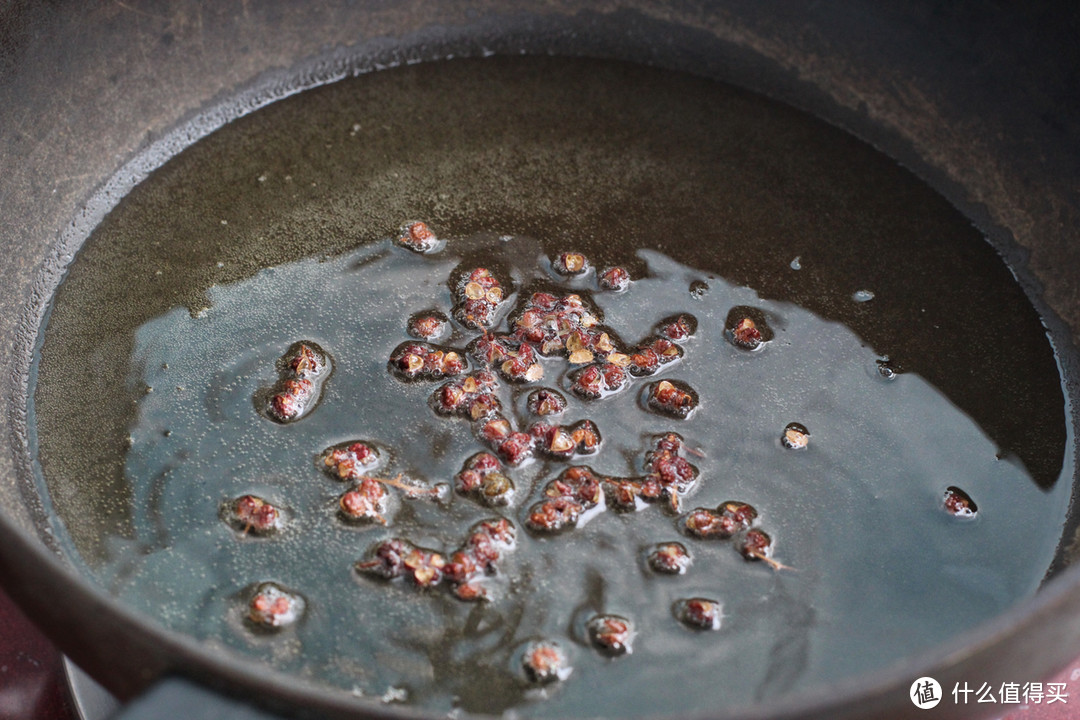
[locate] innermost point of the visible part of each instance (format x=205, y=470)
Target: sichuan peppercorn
x=482, y=479
x=423, y=361
x=302, y=370
x=570, y=263
x=611, y=634
x=727, y=519
x=351, y=460
x=544, y=662
x=254, y=515
x=672, y=398
x=959, y=503
x=795, y=437
x=273, y=607
x=745, y=334
x=418, y=237
x=614, y=279
x=428, y=326
x=546, y=401
x=670, y=558
x=365, y=502
x=678, y=328
x=699, y=613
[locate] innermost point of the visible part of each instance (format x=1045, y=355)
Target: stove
x=33, y=685
x=38, y=683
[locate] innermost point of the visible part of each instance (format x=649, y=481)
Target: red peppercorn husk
x=669, y=475
x=561, y=326
x=576, y=490
x=642, y=362
x=364, y=503
x=478, y=296
x=387, y=559
x=398, y=557
x=586, y=437
x=624, y=494
x=673, y=398
x=678, y=328
x=725, y=521
x=498, y=433
x=699, y=613
x=706, y=523
x=611, y=634
x=514, y=359
x=472, y=397
x=302, y=370
x=546, y=401
x=555, y=514
x=544, y=662
x=741, y=513
x=597, y=381
x=250, y=514
x=494, y=430
x=558, y=441
x=424, y=567
x=670, y=558
x=351, y=460
x=745, y=334
x=273, y=607
x=516, y=448
x=476, y=314
x=758, y=545
x=651, y=354
x=543, y=301
x=289, y=403
x=579, y=483
x=570, y=263
x=491, y=350
x=305, y=362
x=666, y=350
x=471, y=591
x=476, y=559
x=958, y=503
x=424, y=361
x=482, y=479
x=795, y=437
x=552, y=440
x=461, y=567
x=614, y=279
x=521, y=365
x=428, y=326
x=418, y=237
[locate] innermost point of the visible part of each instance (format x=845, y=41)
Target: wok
x=980, y=102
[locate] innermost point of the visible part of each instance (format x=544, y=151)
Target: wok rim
x=31, y=561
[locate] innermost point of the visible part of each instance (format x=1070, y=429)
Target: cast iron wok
x=977, y=101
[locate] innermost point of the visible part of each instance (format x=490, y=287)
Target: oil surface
x=276, y=229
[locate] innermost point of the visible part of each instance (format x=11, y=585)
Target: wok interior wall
x=979, y=99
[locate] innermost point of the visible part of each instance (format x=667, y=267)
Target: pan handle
x=173, y=697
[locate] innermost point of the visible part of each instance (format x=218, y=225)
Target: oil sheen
x=279, y=227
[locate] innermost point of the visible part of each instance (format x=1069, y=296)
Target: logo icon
x=925, y=693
